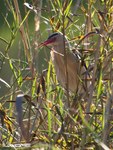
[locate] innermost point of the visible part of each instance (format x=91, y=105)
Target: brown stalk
x=37, y=34
x=23, y=36
x=86, y=50
x=88, y=28
x=108, y=107
x=9, y=5
x=95, y=66
x=85, y=36
x=37, y=31
x=98, y=3
x=107, y=62
x=26, y=21
x=70, y=19
x=94, y=75
x=65, y=62
x=74, y=11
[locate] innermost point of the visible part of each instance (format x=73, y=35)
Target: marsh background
x=42, y=107
x=17, y=49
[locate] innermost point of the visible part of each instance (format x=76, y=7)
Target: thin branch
x=65, y=62
x=94, y=75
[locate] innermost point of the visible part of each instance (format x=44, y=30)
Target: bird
x=75, y=69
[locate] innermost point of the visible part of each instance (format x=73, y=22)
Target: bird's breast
x=58, y=62
x=73, y=69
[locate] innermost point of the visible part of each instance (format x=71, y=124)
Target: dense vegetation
x=35, y=109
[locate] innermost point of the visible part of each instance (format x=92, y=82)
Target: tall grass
x=36, y=111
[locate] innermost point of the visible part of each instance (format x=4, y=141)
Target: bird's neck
x=60, y=47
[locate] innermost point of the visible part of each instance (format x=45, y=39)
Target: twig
x=23, y=36
x=94, y=75
x=74, y=11
x=107, y=120
x=65, y=62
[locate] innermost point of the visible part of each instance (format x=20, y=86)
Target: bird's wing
x=78, y=55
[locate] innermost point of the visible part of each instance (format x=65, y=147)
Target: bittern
x=75, y=69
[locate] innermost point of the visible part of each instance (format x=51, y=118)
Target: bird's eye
x=30, y=5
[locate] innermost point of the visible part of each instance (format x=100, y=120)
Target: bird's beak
x=48, y=41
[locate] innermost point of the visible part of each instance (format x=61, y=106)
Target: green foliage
x=42, y=103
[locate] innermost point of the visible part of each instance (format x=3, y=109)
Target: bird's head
x=54, y=40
